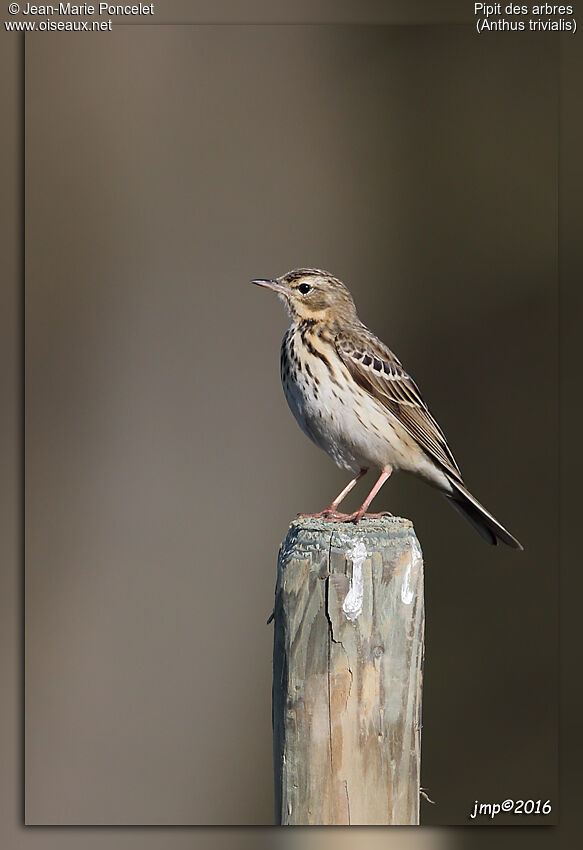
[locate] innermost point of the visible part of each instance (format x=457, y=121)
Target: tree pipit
x=352, y=397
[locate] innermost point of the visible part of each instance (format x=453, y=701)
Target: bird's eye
x=304, y=288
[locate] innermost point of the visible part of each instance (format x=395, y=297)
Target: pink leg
x=358, y=515
x=330, y=512
x=341, y=496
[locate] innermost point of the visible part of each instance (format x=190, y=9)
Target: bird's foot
x=331, y=515
x=358, y=515
x=328, y=514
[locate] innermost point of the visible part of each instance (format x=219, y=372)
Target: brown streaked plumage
x=352, y=397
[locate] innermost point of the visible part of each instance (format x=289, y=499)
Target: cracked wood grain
x=347, y=674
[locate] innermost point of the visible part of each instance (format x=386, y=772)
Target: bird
x=353, y=398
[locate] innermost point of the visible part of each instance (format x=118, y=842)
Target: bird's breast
x=338, y=415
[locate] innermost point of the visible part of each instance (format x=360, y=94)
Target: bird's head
x=312, y=294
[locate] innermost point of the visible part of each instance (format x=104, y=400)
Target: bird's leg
x=358, y=515
x=330, y=512
x=344, y=493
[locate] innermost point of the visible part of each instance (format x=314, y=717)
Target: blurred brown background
x=165, y=167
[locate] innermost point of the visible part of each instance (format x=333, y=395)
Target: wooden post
x=347, y=673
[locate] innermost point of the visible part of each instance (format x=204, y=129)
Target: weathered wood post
x=347, y=673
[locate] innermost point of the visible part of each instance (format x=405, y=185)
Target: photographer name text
x=86, y=9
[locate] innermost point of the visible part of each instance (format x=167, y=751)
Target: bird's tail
x=478, y=517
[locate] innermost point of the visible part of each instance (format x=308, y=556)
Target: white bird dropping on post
x=352, y=605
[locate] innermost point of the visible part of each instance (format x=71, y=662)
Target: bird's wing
x=376, y=369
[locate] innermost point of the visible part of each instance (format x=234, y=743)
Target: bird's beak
x=272, y=284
